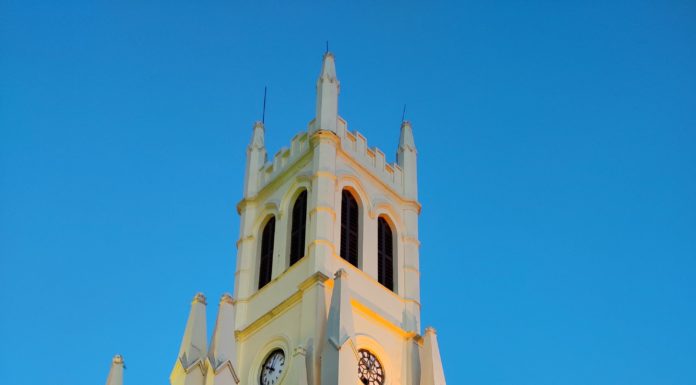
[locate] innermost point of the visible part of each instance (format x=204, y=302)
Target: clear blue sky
x=557, y=174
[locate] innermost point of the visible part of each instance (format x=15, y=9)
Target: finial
x=341, y=273
x=118, y=359
x=227, y=298
x=430, y=330
x=200, y=298
x=327, y=46
x=403, y=114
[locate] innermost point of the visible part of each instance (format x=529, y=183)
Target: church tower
x=327, y=282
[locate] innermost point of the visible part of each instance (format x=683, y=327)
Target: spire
x=116, y=371
x=339, y=354
x=256, y=158
x=328, y=68
x=194, y=347
x=431, y=364
x=328, y=88
x=257, y=137
x=223, y=346
x=406, y=158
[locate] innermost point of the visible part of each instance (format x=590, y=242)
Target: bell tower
x=327, y=281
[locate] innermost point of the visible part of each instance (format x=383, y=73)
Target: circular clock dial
x=272, y=368
x=370, y=370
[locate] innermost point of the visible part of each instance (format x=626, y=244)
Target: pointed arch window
x=266, y=255
x=385, y=254
x=299, y=225
x=349, y=228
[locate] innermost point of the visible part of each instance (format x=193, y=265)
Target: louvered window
x=349, y=228
x=266, y=256
x=297, y=233
x=385, y=254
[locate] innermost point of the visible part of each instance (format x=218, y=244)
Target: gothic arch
x=394, y=259
x=384, y=208
x=265, y=252
x=300, y=184
x=353, y=184
x=267, y=210
x=350, y=183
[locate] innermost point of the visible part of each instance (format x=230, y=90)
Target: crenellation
x=351, y=141
x=373, y=159
x=370, y=157
x=361, y=144
x=379, y=159
x=284, y=158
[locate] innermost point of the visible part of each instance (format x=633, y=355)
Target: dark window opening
x=349, y=228
x=385, y=254
x=299, y=224
x=266, y=255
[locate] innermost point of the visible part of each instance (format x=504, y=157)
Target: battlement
x=373, y=159
x=352, y=143
x=283, y=158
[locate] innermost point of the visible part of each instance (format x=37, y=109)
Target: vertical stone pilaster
x=411, y=268
x=321, y=205
x=245, y=274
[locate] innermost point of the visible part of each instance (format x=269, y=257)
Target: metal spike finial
x=263, y=113
x=403, y=114
x=327, y=46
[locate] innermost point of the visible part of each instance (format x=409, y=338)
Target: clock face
x=272, y=368
x=370, y=370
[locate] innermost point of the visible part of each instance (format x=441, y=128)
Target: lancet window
x=349, y=228
x=266, y=255
x=298, y=229
x=385, y=254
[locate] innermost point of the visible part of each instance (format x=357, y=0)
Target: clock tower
x=327, y=282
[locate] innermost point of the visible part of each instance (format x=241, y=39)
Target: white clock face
x=273, y=368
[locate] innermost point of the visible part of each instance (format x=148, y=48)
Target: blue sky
x=557, y=174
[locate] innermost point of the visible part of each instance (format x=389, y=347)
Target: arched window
x=349, y=228
x=299, y=224
x=385, y=254
x=266, y=255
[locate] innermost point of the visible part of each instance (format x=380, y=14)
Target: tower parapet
x=372, y=159
x=352, y=143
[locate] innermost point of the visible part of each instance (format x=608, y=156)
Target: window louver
x=266, y=255
x=299, y=224
x=349, y=228
x=385, y=254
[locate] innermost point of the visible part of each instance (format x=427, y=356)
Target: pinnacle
x=328, y=68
